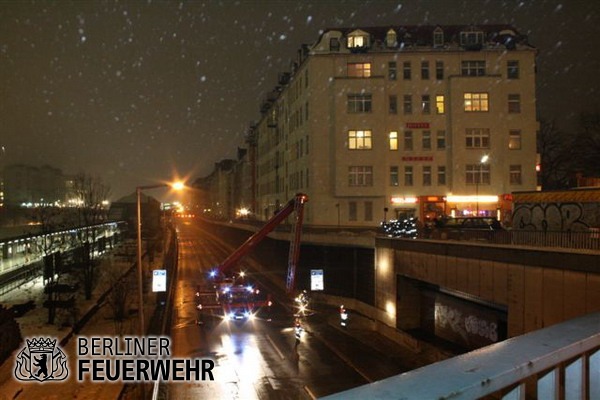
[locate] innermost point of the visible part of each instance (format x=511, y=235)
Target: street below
x=259, y=358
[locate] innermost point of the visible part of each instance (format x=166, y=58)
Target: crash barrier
x=579, y=240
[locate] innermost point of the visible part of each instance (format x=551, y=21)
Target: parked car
x=487, y=223
x=468, y=228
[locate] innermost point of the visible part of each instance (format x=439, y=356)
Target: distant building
x=219, y=186
x=125, y=209
x=29, y=185
x=399, y=121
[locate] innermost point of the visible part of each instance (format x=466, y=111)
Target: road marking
x=275, y=347
x=311, y=394
x=343, y=357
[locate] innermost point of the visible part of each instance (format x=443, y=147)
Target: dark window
x=512, y=69
x=393, y=100
x=406, y=70
x=439, y=70
x=424, y=69
x=392, y=71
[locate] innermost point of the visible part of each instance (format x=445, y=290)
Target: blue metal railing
x=558, y=362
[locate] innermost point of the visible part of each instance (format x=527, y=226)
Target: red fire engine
x=239, y=302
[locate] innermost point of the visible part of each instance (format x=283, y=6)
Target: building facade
x=392, y=122
x=26, y=185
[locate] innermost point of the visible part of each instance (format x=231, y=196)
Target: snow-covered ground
x=34, y=324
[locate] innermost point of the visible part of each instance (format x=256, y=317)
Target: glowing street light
x=174, y=186
x=482, y=162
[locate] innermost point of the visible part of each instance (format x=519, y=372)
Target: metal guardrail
x=558, y=362
x=578, y=240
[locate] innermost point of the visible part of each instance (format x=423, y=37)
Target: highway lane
x=259, y=359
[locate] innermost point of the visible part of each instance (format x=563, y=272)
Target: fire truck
x=240, y=301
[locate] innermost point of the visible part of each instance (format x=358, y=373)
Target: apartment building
x=392, y=122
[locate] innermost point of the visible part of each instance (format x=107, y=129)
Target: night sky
x=140, y=91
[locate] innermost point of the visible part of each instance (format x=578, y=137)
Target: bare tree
x=120, y=286
x=587, y=145
x=50, y=219
x=556, y=160
x=89, y=192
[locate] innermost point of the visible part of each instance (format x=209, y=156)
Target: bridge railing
x=580, y=240
x=558, y=362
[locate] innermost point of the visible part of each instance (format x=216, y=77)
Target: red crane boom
x=296, y=204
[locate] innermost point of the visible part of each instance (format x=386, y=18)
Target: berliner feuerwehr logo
x=41, y=360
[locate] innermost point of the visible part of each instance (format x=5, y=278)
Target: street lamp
x=483, y=160
x=138, y=190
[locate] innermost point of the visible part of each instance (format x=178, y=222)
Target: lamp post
x=138, y=190
x=483, y=160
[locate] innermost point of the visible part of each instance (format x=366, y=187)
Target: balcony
x=558, y=362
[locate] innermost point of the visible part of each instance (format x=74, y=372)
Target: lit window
x=359, y=103
x=439, y=104
x=359, y=140
x=512, y=69
x=514, y=139
x=394, y=180
x=515, y=175
x=393, y=138
x=359, y=70
x=391, y=39
x=360, y=176
x=476, y=102
x=357, y=41
x=478, y=174
x=477, y=138
x=473, y=68
x=514, y=103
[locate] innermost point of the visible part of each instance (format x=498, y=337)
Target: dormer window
x=438, y=37
x=358, y=40
x=471, y=38
x=334, y=44
x=391, y=39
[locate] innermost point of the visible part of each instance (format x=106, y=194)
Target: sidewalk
x=364, y=330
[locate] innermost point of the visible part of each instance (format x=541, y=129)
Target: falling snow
x=155, y=87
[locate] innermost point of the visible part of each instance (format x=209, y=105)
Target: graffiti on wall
x=461, y=327
x=552, y=217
